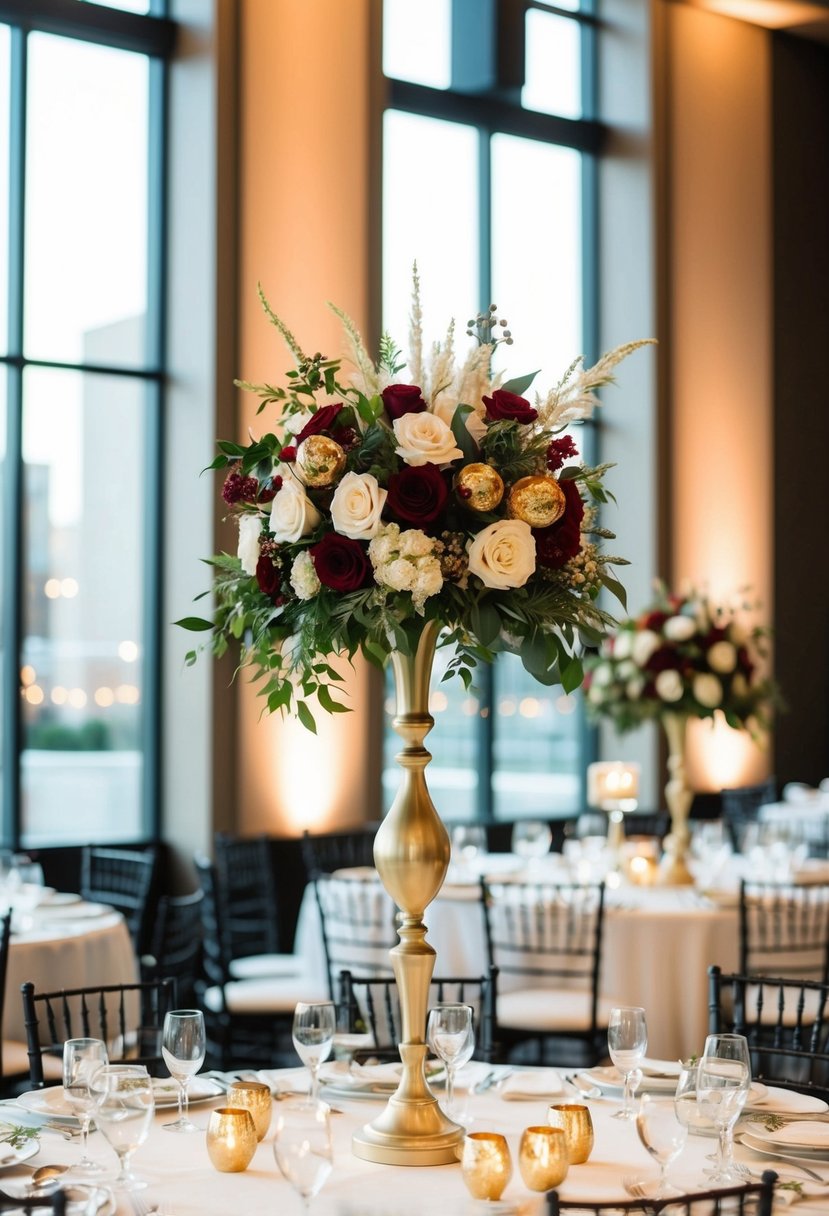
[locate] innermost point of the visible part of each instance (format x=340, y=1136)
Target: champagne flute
x=313, y=1034
x=302, y=1147
x=81, y=1060
x=182, y=1049
x=124, y=1112
x=663, y=1134
x=452, y=1039
x=723, y=1082
x=627, y=1039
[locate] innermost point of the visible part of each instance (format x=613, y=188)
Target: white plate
x=785, y=1102
x=11, y=1157
x=610, y=1080
x=760, y=1146
x=787, y=1138
x=59, y=899
x=52, y=1104
x=80, y=910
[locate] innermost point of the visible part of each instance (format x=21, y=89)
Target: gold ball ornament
x=320, y=461
x=539, y=501
x=479, y=487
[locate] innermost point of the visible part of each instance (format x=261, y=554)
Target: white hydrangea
x=304, y=577
x=414, y=543
x=384, y=545
x=399, y=574
x=406, y=561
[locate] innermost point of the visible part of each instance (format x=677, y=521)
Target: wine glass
x=531, y=839
x=452, y=1039
x=81, y=1060
x=627, y=1039
x=723, y=1082
x=182, y=1049
x=302, y=1147
x=124, y=1112
x=663, y=1134
x=468, y=842
x=313, y=1033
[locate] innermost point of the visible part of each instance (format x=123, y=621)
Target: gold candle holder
x=231, y=1139
x=256, y=1097
x=542, y=1157
x=574, y=1120
x=486, y=1164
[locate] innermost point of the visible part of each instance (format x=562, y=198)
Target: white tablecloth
x=658, y=944
x=78, y=946
x=182, y=1180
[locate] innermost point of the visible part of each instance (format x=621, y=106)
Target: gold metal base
x=673, y=872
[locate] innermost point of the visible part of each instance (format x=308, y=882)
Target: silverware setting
x=583, y=1085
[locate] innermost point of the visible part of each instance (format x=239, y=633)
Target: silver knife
x=584, y=1085
x=485, y=1083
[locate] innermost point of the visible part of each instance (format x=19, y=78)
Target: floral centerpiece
x=375, y=504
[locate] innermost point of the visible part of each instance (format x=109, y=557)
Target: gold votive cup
x=256, y=1097
x=542, y=1157
x=486, y=1164
x=231, y=1139
x=574, y=1120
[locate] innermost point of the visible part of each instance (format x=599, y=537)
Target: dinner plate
x=52, y=1104
x=80, y=910
x=11, y=1157
x=807, y=1138
x=610, y=1080
x=765, y=1150
x=779, y=1101
x=59, y=899
x=370, y=1080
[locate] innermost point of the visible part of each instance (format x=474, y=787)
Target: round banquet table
x=658, y=944
x=182, y=1182
x=67, y=946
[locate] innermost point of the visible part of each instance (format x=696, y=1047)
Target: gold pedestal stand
x=673, y=871
x=411, y=852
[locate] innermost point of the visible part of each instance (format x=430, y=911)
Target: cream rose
x=679, y=628
x=722, y=657
x=668, y=685
x=425, y=439
x=707, y=690
x=293, y=515
x=356, y=506
x=503, y=554
x=645, y=642
x=623, y=644
x=250, y=529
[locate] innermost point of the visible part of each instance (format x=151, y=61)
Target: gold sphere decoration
x=320, y=461
x=539, y=501
x=479, y=487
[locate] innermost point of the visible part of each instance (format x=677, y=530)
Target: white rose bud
x=250, y=529
x=679, y=628
x=668, y=685
x=645, y=642
x=722, y=657
x=503, y=554
x=356, y=506
x=425, y=439
x=707, y=690
x=293, y=515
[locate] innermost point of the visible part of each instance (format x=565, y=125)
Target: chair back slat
x=784, y=929
x=245, y=889
x=126, y=879
x=748, y=1199
x=357, y=919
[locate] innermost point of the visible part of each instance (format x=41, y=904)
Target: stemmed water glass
x=302, y=1147
x=81, y=1060
x=183, y=1049
x=531, y=840
x=124, y=1111
x=627, y=1039
x=663, y=1134
x=723, y=1083
x=452, y=1039
x=313, y=1034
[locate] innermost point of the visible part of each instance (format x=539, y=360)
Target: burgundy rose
x=654, y=620
x=268, y=578
x=554, y=546
x=319, y=422
x=560, y=450
x=340, y=563
x=417, y=494
x=665, y=658
x=400, y=399
x=504, y=406
x=744, y=662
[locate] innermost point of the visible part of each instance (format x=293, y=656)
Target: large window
x=489, y=149
x=81, y=379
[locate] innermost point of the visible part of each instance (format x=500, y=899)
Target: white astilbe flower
x=416, y=331
x=441, y=372
x=365, y=378
x=574, y=397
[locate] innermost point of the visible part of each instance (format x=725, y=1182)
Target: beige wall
x=304, y=231
x=719, y=384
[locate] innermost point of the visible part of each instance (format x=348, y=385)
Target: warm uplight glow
x=127, y=694
x=773, y=14
x=305, y=771
x=34, y=694
x=68, y=588
x=28, y=675
x=51, y=588
x=721, y=757
x=104, y=697
x=612, y=783
x=59, y=695
x=128, y=651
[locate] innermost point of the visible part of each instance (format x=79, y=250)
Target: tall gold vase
x=411, y=852
x=674, y=870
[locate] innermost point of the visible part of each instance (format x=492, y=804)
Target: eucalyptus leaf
x=520, y=384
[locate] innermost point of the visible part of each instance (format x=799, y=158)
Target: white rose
x=668, y=685
x=623, y=644
x=425, y=439
x=250, y=529
x=722, y=657
x=304, y=577
x=293, y=515
x=645, y=642
x=356, y=506
x=503, y=554
x=707, y=690
x=679, y=628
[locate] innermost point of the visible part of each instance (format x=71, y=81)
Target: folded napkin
x=527, y=1086
x=791, y=1189
x=285, y=1080
x=804, y=1132
x=660, y=1068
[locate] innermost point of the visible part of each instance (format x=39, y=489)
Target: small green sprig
x=16, y=1136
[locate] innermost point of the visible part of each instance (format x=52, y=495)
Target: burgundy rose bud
x=345, y=436
x=417, y=494
x=504, y=406
x=554, y=546
x=320, y=422
x=560, y=450
x=654, y=621
x=267, y=576
x=239, y=489
x=340, y=563
x=400, y=399
x=288, y=454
